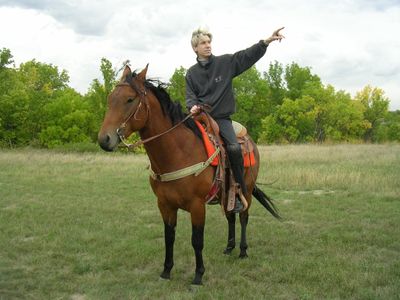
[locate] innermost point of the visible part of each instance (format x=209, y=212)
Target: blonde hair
x=198, y=34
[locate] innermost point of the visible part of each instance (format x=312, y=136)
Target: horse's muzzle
x=108, y=142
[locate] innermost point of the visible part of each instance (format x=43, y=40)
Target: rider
x=209, y=82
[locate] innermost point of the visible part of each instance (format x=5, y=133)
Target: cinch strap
x=194, y=169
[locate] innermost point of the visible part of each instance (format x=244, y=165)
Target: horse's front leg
x=198, y=219
x=169, y=217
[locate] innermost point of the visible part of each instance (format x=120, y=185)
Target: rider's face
x=203, y=48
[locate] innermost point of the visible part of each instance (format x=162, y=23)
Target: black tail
x=266, y=202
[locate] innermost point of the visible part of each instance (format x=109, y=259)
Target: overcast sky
x=347, y=43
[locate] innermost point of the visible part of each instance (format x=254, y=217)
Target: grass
x=86, y=226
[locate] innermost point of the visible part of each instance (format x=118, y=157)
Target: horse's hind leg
x=231, y=217
x=169, y=217
x=244, y=219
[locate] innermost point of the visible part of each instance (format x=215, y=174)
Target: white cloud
x=349, y=44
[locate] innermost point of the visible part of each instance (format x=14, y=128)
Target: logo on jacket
x=218, y=79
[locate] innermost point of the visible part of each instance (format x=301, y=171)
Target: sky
x=347, y=43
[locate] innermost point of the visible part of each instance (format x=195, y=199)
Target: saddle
x=224, y=189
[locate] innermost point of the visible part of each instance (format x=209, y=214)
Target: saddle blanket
x=248, y=158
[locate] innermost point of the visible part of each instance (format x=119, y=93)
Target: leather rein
x=142, y=100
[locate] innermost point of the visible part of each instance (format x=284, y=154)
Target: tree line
x=285, y=104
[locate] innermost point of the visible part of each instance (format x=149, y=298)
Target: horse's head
x=127, y=109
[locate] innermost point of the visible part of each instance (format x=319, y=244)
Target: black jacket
x=211, y=84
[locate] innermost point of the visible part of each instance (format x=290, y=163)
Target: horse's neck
x=174, y=150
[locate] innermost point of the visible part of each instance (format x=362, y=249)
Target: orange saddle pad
x=248, y=158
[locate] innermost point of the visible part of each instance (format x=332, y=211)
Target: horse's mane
x=171, y=108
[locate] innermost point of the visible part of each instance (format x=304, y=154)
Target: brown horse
x=172, y=143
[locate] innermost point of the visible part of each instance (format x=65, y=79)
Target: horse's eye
x=130, y=100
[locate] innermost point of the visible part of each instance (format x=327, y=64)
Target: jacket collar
x=207, y=64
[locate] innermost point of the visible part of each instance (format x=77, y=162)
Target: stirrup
x=238, y=205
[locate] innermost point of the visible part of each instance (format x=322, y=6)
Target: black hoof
x=165, y=275
x=243, y=255
x=228, y=250
x=197, y=282
x=197, y=279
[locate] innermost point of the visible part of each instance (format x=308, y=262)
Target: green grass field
x=86, y=226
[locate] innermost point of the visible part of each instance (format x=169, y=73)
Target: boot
x=238, y=171
x=238, y=205
x=234, y=152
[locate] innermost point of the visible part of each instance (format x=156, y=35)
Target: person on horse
x=209, y=83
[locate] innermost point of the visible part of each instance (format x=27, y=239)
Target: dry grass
x=367, y=168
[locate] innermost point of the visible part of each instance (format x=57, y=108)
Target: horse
x=172, y=142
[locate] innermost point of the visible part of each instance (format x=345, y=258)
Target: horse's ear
x=127, y=71
x=142, y=75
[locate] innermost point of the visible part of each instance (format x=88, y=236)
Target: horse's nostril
x=105, y=142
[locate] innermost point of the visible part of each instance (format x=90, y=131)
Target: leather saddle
x=224, y=188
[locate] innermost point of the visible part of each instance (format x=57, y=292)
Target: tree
x=344, y=120
x=96, y=97
x=392, y=123
x=40, y=82
x=275, y=81
x=300, y=81
x=376, y=106
x=177, y=86
x=252, y=103
x=68, y=120
x=109, y=75
x=5, y=58
x=320, y=114
x=23, y=94
x=293, y=122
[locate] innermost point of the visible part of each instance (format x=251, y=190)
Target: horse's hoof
x=197, y=279
x=243, y=255
x=228, y=250
x=197, y=282
x=165, y=276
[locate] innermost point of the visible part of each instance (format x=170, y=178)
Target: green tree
x=300, y=81
x=376, y=106
x=344, y=120
x=98, y=93
x=6, y=58
x=5, y=85
x=14, y=114
x=177, y=86
x=320, y=114
x=23, y=94
x=41, y=81
x=275, y=81
x=68, y=120
x=389, y=129
x=293, y=122
x=392, y=123
x=252, y=104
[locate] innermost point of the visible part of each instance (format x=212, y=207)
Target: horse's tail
x=266, y=202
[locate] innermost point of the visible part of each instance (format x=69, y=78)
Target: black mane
x=169, y=107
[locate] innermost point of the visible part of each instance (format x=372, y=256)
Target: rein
x=142, y=95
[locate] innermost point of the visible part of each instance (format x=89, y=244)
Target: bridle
x=142, y=94
x=142, y=99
